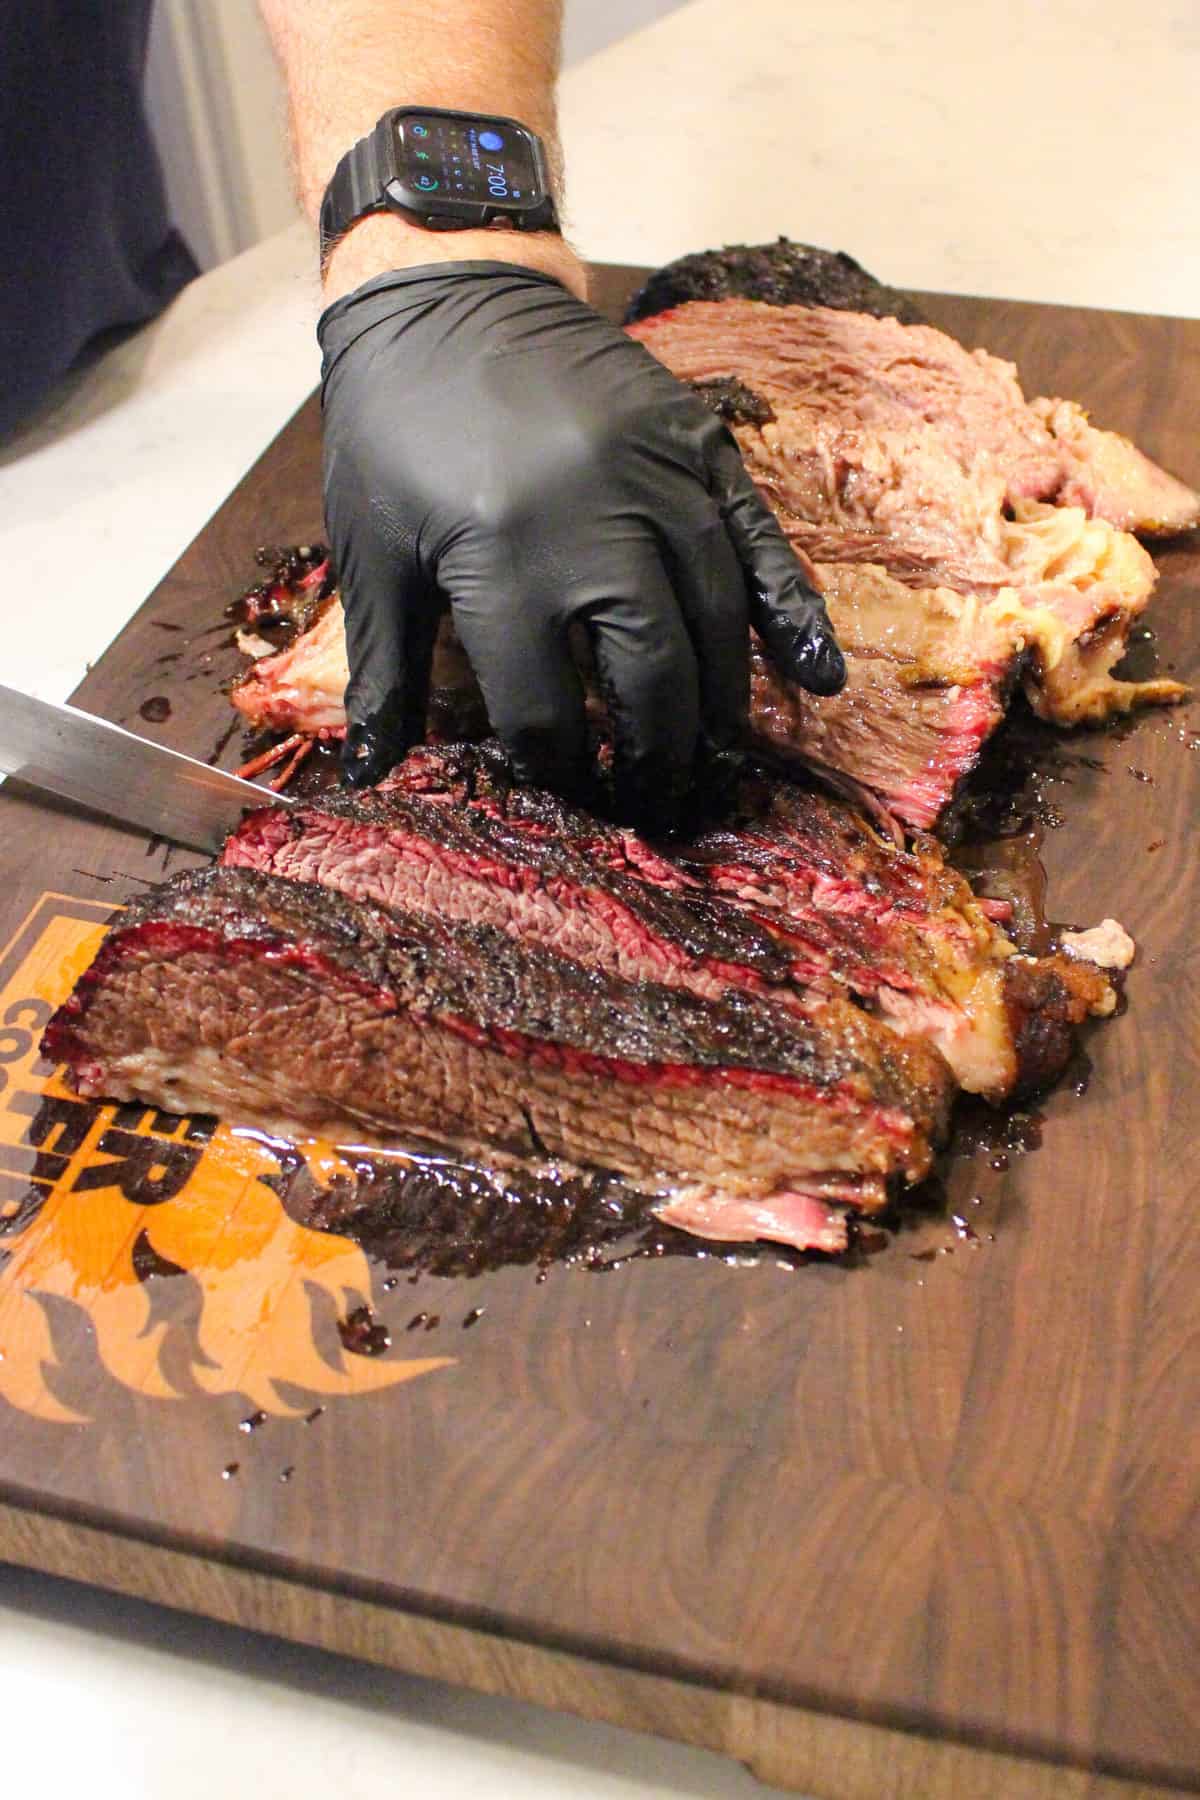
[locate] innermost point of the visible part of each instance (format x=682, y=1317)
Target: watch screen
x=483, y=160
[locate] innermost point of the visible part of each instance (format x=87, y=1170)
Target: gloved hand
x=494, y=444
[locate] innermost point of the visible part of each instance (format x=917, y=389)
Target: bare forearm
x=346, y=61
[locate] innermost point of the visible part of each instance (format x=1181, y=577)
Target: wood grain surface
x=923, y=1524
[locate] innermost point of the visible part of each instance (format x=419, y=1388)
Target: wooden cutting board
x=925, y=1525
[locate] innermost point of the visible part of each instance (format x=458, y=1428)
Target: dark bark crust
x=781, y=274
x=477, y=975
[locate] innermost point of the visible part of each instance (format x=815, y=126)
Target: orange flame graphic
x=110, y=1208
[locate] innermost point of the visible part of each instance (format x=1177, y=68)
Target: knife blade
x=110, y=770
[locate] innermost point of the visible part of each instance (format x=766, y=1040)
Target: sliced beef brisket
x=911, y=743
x=761, y=1026
x=930, y=672
x=877, y=375
x=541, y=885
x=283, y=1004
x=798, y=900
x=792, y=858
x=1112, y=479
x=891, y=451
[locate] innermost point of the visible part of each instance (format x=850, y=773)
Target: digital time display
x=491, y=164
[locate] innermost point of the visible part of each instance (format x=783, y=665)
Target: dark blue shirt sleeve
x=86, y=244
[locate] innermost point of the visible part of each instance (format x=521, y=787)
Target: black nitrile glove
x=494, y=444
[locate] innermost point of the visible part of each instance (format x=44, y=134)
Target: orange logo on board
x=106, y=1209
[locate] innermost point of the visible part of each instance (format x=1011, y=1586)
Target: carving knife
x=113, y=771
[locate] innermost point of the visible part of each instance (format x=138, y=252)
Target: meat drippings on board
x=447, y=1216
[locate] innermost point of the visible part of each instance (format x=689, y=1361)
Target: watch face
x=485, y=162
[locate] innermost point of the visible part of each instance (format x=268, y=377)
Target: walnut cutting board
x=924, y=1525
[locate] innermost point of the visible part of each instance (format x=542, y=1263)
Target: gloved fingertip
x=803, y=648
x=654, y=808
x=357, y=774
x=823, y=667
x=719, y=774
x=556, y=760
x=655, y=819
x=549, y=773
x=368, y=755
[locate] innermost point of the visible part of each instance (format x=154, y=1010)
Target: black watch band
x=448, y=153
x=358, y=185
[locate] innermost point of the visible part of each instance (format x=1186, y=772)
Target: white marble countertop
x=1019, y=150
x=1026, y=149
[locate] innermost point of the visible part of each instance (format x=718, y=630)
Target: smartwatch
x=447, y=171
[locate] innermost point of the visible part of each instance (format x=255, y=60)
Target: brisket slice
x=969, y=992
x=555, y=878
x=799, y=901
x=907, y=729
x=912, y=744
x=589, y=891
x=781, y=274
x=928, y=676
x=410, y=853
x=299, y=684
x=284, y=1005
x=930, y=672
x=300, y=687
x=876, y=375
